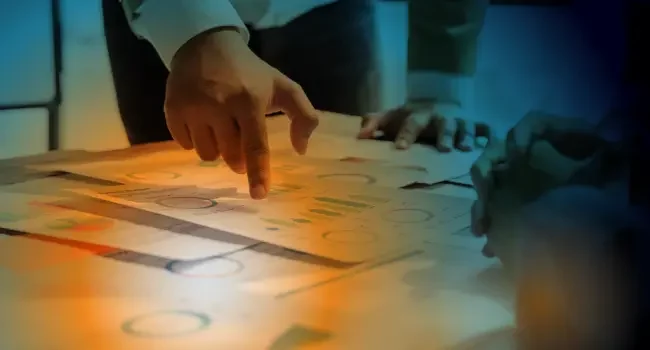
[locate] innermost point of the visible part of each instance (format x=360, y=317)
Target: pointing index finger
x=252, y=124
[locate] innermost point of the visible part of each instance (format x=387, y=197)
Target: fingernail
x=487, y=252
x=402, y=144
x=302, y=150
x=465, y=147
x=363, y=134
x=258, y=191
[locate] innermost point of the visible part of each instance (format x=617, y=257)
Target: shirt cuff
x=169, y=24
x=445, y=88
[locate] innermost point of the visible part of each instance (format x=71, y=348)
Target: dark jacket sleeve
x=582, y=271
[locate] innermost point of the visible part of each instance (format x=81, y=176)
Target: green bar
x=302, y=221
x=324, y=212
x=342, y=202
x=311, y=216
x=11, y=217
x=338, y=207
x=279, y=222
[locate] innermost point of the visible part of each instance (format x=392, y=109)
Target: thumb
x=289, y=97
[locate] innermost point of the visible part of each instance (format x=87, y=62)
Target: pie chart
x=166, y=324
x=186, y=203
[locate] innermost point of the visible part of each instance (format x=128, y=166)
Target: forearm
x=443, y=35
x=169, y=24
x=442, y=46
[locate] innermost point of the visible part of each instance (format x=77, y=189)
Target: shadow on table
x=461, y=270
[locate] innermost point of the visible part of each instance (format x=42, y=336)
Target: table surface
x=478, y=317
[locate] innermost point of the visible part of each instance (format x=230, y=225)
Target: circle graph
x=408, y=216
x=81, y=225
x=362, y=178
x=166, y=324
x=219, y=267
x=350, y=236
x=186, y=203
x=153, y=176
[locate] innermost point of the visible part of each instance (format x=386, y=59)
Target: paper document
x=440, y=166
x=334, y=220
x=183, y=169
x=43, y=216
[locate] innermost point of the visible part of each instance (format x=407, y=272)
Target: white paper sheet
x=176, y=168
x=440, y=166
x=61, y=236
x=334, y=220
x=40, y=216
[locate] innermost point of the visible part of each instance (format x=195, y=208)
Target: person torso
x=273, y=13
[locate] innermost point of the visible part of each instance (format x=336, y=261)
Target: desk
x=393, y=306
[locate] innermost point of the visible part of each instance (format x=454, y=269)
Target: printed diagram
x=361, y=178
x=322, y=218
x=175, y=323
x=52, y=217
x=326, y=221
x=319, y=210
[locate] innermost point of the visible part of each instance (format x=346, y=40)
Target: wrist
x=221, y=38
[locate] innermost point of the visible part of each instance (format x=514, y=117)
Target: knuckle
x=294, y=89
x=173, y=107
x=313, y=119
x=416, y=122
x=257, y=150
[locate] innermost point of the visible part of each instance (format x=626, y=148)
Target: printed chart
x=258, y=269
x=192, y=172
x=75, y=229
x=328, y=220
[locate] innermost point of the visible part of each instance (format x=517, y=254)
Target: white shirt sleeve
x=452, y=89
x=169, y=24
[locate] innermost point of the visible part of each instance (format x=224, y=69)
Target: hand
x=435, y=124
x=218, y=93
x=542, y=152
